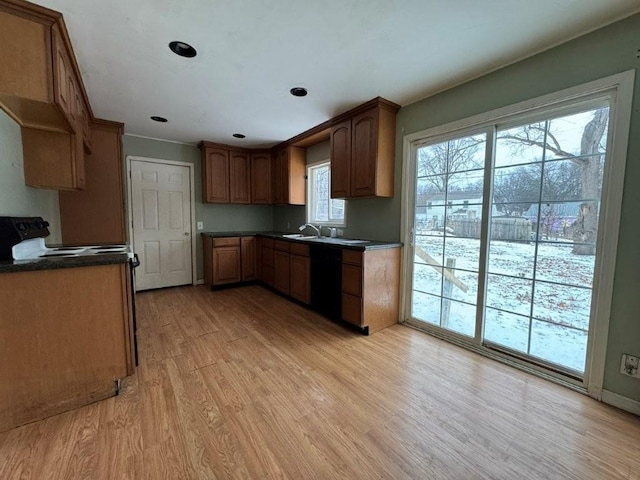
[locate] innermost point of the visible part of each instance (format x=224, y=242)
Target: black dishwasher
x=326, y=280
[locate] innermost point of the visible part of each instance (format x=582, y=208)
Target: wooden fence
x=502, y=228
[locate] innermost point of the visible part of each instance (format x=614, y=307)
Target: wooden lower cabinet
x=300, y=273
x=227, y=267
x=66, y=349
x=268, y=261
x=248, y=250
x=371, y=288
x=282, y=278
x=230, y=260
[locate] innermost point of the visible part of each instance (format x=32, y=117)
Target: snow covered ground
x=549, y=298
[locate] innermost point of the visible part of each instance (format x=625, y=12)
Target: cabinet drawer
x=267, y=257
x=352, y=280
x=281, y=245
x=226, y=242
x=299, y=249
x=267, y=242
x=352, y=309
x=352, y=257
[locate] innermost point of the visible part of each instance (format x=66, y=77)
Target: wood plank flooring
x=241, y=383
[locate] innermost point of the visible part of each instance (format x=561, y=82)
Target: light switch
x=200, y=225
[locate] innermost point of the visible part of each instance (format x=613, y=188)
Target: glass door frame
x=618, y=90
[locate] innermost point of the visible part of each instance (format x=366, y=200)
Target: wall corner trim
x=623, y=403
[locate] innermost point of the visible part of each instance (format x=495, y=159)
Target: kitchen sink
x=299, y=236
x=331, y=240
x=336, y=241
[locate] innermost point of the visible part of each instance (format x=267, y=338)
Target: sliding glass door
x=505, y=234
x=448, y=220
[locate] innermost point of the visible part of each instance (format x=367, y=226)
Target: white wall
x=16, y=199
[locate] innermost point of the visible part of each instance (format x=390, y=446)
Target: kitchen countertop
x=52, y=263
x=368, y=245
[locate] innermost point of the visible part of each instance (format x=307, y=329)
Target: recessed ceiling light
x=239, y=135
x=183, y=49
x=298, y=92
x=159, y=119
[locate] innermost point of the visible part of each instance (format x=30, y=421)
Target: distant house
x=433, y=208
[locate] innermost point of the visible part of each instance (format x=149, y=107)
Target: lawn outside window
x=321, y=208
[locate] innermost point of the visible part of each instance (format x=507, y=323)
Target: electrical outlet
x=340, y=232
x=630, y=365
x=288, y=225
x=200, y=225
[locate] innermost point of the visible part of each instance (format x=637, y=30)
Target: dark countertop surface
x=339, y=242
x=53, y=263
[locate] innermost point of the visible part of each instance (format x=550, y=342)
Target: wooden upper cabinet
x=341, y=159
x=226, y=174
x=261, y=178
x=42, y=90
x=365, y=154
x=362, y=151
x=215, y=175
x=25, y=69
x=239, y=177
x=63, y=82
x=289, y=186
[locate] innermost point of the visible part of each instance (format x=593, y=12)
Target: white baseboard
x=624, y=403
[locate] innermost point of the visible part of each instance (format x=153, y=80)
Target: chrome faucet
x=317, y=229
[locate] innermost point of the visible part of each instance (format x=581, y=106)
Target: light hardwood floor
x=241, y=383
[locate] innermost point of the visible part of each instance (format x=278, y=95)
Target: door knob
x=186, y=234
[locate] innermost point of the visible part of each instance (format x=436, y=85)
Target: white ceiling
x=252, y=52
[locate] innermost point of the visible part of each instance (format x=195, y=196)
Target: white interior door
x=161, y=210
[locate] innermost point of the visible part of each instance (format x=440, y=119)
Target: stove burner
x=57, y=255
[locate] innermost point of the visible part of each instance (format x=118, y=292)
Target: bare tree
x=589, y=163
x=514, y=193
x=437, y=163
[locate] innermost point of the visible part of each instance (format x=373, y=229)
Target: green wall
x=610, y=50
x=218, y=218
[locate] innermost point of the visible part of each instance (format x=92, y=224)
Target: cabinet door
x=215, y=178
x=261, y=178
x=352, y=309
x=268, y=262
x=280, y=177
x=226, y=265
x=282, y=274
x=341, y=159
x=249, y=259
x=299, y=278
x=61, y=74
x=364, y=144
x=239, y=177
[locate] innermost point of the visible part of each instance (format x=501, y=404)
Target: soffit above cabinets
x=251, y=53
